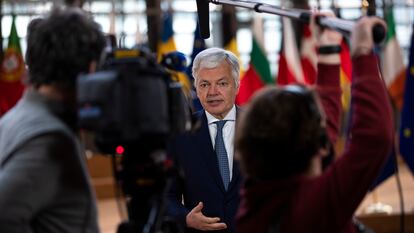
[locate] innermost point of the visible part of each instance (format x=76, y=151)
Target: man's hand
x=196, y=219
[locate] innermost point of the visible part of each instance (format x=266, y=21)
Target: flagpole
x=340, y=25
x=154, y=23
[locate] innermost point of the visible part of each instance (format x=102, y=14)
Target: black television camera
x=132, y=106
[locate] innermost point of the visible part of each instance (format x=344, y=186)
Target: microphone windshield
x=203, y=12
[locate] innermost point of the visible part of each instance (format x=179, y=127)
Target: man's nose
x=212, y=90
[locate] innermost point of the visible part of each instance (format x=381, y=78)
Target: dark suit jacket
x=196, y=160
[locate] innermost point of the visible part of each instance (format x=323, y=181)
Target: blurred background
x=262, y=42
x=140, y=21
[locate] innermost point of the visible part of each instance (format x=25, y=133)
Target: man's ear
x=93, y=66
x=238, y=88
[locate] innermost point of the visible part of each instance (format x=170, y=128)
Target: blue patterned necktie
x=221, y=152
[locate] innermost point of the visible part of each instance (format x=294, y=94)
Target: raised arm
x=344, y=184
x=370, y=137
x=328, y=80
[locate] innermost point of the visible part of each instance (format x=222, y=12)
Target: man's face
x=216, y=90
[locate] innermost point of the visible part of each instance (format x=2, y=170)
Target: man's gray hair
x=212, y=57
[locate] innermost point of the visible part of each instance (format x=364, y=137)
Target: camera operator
x=282, y=140
x=44, y=180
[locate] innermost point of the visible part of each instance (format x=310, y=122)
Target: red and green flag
x=12, y=71
x=257, y=76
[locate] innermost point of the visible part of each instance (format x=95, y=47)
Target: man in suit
x=44, y=181
x=206, y=198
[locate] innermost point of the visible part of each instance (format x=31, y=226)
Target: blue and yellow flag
x=198, y=46
x=407, y=114
x=229, y=27
x=167, y=45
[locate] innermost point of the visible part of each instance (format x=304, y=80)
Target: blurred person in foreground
x=44, y=180
x=284, y=134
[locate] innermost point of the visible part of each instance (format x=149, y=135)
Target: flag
x=345, y=78
x=290, y=67
x=257, y=75
x=309, y=57
x=297, y=66
x=167, y=45
x=304, y=69
x=388, y=170
x=345, y=74
x=407, y=114
x=229, y=29
x=198, y=46
x=12, y=71
x=393, y=72
x=393, y=68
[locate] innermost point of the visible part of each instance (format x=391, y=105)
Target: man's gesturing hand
x=196, y=219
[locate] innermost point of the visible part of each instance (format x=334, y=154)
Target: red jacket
x=326, y=203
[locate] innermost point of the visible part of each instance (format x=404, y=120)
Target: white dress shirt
x=228, y=134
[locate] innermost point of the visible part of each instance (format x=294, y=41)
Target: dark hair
x=61, y=46
x=280, y=132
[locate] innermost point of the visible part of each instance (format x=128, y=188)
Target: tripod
x=143, y=174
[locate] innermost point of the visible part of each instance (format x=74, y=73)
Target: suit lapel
x=207, y=152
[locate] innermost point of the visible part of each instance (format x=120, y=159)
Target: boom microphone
x=340, y=25
x=203, y=12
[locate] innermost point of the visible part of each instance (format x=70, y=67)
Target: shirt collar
x=231, y=116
